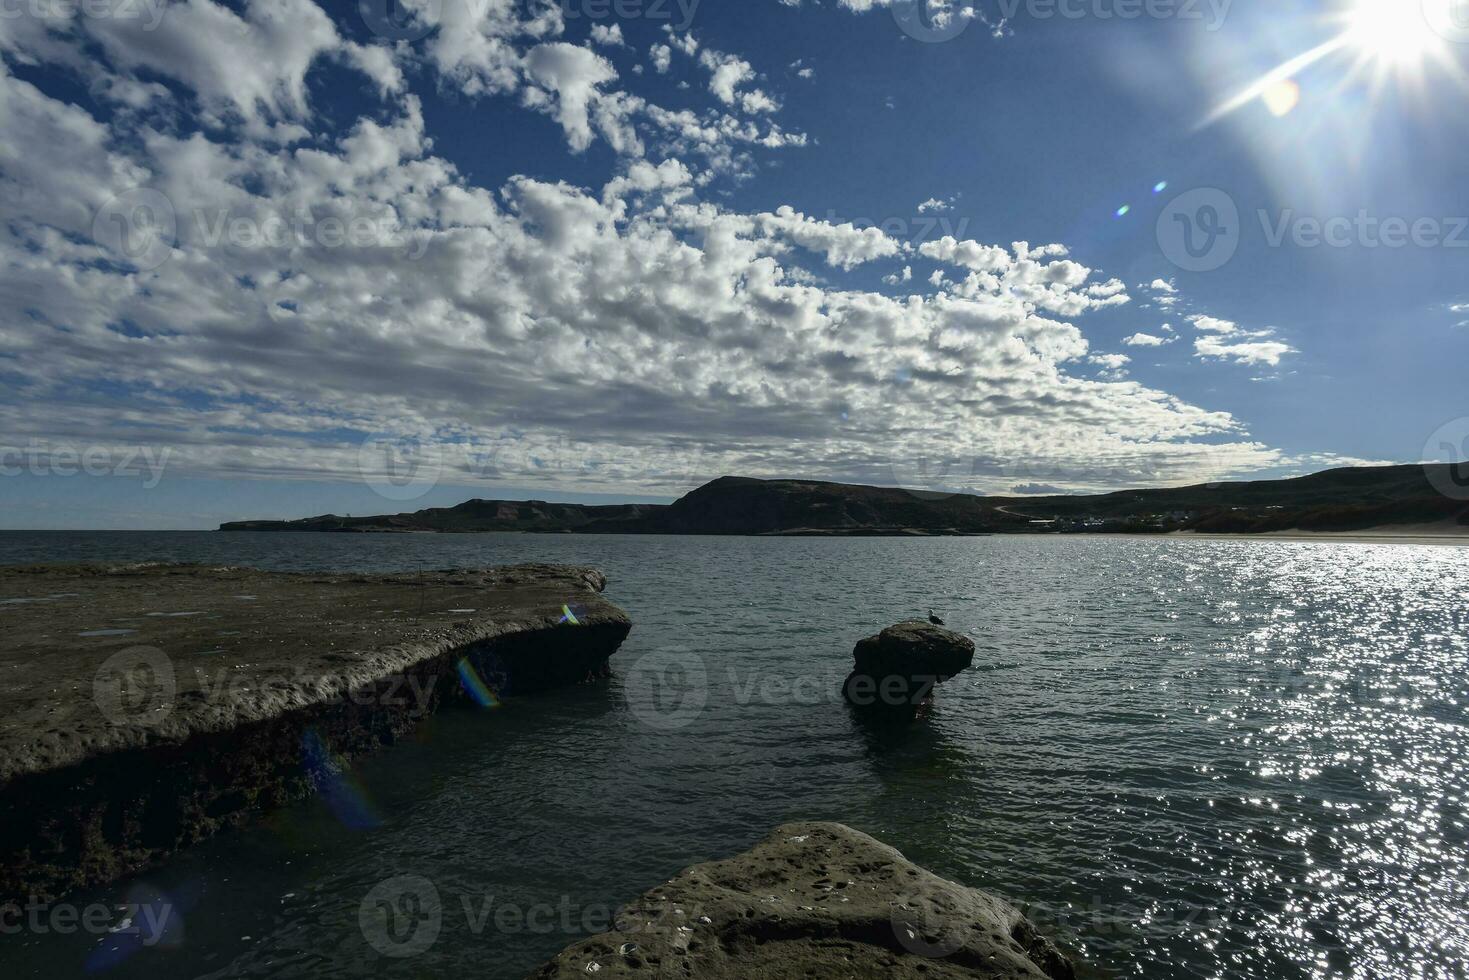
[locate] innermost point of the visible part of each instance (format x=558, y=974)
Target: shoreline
x=1410, y=535
x=1435, y=534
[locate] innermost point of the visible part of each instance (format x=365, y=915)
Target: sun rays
x=1385, y=40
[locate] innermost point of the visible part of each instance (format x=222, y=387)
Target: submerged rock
x=814, y=900
x=896, y=670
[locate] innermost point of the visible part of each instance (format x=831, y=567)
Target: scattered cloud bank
x=212, y=266
x=1254, y=347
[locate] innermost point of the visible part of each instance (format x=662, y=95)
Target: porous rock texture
x=818, y=901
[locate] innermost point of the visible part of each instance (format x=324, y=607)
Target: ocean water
x=1239, y=759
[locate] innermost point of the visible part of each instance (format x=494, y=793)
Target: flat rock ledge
x=895, y=671
x=146, y=707
x=814, y=900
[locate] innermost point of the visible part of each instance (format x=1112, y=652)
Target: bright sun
x=1394, y=32
x=1391, y=41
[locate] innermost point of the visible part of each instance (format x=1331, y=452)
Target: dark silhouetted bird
x=934, y=619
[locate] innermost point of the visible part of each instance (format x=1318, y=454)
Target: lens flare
x=1282, y=97
x=333, y=778
x=1376, y=41
x=474, y=685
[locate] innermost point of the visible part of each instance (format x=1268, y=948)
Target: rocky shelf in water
x=819, y=901
x=146, y=707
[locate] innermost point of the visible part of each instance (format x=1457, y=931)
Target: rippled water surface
x=1184, y=758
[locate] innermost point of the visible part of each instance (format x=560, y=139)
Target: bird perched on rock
x=934, y=619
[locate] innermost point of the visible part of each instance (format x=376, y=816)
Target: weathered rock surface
x=146, y=707
x=814, y=900
x=894, y=672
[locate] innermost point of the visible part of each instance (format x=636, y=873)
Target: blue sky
x=596, y=251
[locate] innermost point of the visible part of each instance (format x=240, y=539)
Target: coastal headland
x=146, y=707
x=1424, y=501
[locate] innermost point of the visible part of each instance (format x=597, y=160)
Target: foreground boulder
x=895, y=671
x=814, y=900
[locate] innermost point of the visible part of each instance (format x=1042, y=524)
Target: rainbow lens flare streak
x=333, y=778
x=474, y=685
x=149, y=919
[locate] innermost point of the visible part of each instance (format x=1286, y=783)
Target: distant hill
x=1336, y=500
x=472, y=515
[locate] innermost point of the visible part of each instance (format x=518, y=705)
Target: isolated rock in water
x=814, y=900
x=896, y=670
